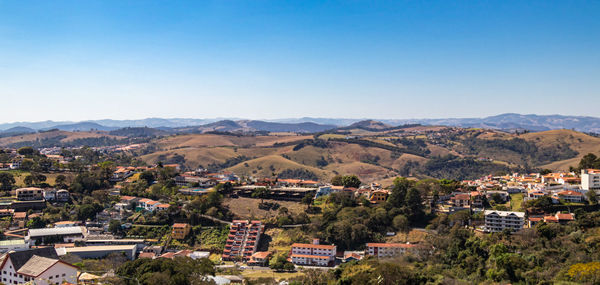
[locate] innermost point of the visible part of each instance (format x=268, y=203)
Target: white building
x=590, y=179
x=39, y=266
x=55, y=235
x=314, y=254
x=497, y=221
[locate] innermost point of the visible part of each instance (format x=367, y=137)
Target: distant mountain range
x=308, y=125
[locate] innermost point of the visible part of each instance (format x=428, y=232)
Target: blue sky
x=78, y=60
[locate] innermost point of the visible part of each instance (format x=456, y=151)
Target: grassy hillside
x=376, y=156
x=64, y=137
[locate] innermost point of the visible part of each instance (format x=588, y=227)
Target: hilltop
x=417, y=150
x=371, y=149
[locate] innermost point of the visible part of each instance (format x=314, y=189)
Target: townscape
x=299, y=142
x=83, y=215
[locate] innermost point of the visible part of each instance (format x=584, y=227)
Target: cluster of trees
x=528, y=151
x=589, y=161
x=177, y=271
x=454, y=167
x=298, y=173
x=346, y=181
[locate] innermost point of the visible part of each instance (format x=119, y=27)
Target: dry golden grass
x=69, y=136
x=211, y=140
x=414, y=236
x=255, y=274
x=577, y=141
x=247, y=208
x=267, y=165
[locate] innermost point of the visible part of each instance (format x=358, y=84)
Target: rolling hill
x=379, y=155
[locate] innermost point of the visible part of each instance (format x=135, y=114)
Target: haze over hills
x=508, y=121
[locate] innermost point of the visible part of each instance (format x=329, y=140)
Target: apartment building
x=497, y=221
x=242, y=240
x=383, y=250
x=590, y=179
x=30, y=194
x=314, y=254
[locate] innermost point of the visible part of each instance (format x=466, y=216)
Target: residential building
x=242, y=240
x=54, y=235
x=314, y=254
x=497, y=221
x=39, y=266
x=63, y=195
x=378, y=196
x=260, y=258
x=383, y=250
x=570, y=196
x=180, y=230
x=460, y=200
x=30, y=194
x=590, y=179
x=50, y=194
x=99, y=251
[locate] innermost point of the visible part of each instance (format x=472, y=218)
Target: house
x=260, y=258
x=63, y=195
x=242, y=240
x=162, y=207
x=314, y=254
x=36, y=266
x=6, y=212
x=497, y=221
x=559, y=218
x=54, y=235
x=476, y=199
x=49, y=194
x=383, y=250
x=460, y=200
x=121, y=173
x=30, y=194
x=492, y=193
x=20, y=218
x=129, y=200
x=180, y=230
x=570, y=196
x=378, y=196
x=353, y=256
x=15, y=164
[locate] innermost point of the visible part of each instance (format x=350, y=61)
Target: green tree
x=27, y=164
x=26, y=150
x=337, y=180
x=398, y=192
x=36, y=223
x=590, y=160
x=400, y=223
x=7, y=180
x=60, y=181
x=351, y=181
x=147, y=176
x=414, y=205
x=592, y=197
x=261, y=193
x=115, y=227
x=307, y=200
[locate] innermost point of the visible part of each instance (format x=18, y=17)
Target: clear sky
x=78, y=60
